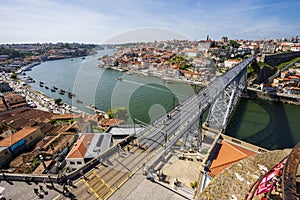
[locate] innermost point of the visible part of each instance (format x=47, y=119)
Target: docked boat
x=62, y=93
x=92, y=106
x=30, y=80
x=119, y=78
x=78, y=101
x=41, y=82
x=46, y=87
x=168, y=81
x=53, y=90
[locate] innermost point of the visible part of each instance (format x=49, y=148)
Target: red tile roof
x=228, y=154
x=65, y=116
x=12, y=139
x=81, y=146
x=105, y=123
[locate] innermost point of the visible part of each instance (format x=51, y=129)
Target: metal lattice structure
x=224, y=104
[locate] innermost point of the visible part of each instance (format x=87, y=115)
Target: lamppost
x=134, y=126
x=43, y=162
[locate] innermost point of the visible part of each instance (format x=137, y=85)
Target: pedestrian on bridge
x=82, y=174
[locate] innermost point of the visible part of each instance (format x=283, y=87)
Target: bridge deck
x=155, y=139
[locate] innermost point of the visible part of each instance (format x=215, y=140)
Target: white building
x=295, y=47
x=231, y=62
x=87, y=147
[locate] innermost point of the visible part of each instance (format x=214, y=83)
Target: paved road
x=21, y=190
x=120, y=165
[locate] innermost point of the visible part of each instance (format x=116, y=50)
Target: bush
x=35, y=163
x=194, y=184
x=52, y=121
x=14, y=76
x=58, y=101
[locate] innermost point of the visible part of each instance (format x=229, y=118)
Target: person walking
x=82, y=174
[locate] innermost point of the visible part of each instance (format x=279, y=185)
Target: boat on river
x=71, y=95
x=119, y=78
x=78, y=101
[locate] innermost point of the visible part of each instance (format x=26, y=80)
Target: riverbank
x=39, y=100
x=277, y=97
x=167, y=79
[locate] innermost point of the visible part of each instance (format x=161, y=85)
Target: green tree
x=194, y=184
x=14, y=76
x=234, y=43
x=184, y=66
x=119, y=113
x=52, y=121
x=58, y=101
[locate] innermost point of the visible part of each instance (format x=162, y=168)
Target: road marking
x=122, y=183
x=91, y=189
x=97, y=175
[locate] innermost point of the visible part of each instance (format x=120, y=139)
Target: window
x=72, y=163
x=79, y=163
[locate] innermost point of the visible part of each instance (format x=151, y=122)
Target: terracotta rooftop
x=12, y=139
x=2, y=105
x=227, y=155
x=14, y=99
x=66, y=116
x=110, y=122
x=237, y=180
x=81, y=146
x=24, y=112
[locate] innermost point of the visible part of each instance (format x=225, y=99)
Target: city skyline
x=128, y=21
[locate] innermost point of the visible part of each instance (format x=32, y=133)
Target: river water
x=271, y=125
x=146, y=98
x=267, y=124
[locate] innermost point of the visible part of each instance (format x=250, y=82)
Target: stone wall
x=274, y=97
x=276, y=59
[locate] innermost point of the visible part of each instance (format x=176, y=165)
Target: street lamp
x=43, y=162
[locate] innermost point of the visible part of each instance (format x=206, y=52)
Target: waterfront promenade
x=40, y=100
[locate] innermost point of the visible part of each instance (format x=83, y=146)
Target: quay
x=93, y=108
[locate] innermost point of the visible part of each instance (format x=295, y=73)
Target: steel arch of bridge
x=223, y=105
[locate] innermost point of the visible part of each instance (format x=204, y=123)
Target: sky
x=120, y=21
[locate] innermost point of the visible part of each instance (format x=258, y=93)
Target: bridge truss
x=225, y=102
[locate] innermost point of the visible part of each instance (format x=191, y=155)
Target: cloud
x=97, y=21
x=146, y=34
